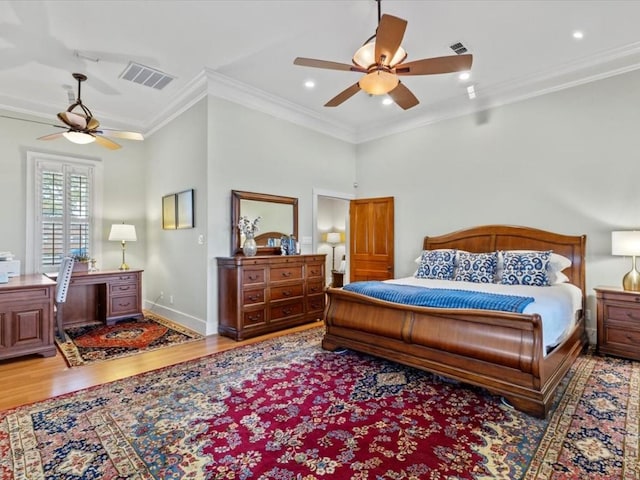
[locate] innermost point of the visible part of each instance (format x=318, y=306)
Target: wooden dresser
x=26, y=316
x=263, y=294
x=618, y=322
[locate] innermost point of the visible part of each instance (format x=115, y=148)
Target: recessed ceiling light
x=309, y=84
x=578, y=35
x=471, y=91
x=464, y=76
x=387, y=101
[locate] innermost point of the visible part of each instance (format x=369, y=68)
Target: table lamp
x=627, y=243
x=121, y=232
x=333, y=239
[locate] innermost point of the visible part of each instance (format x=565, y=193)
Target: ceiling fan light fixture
x=378, y=82
x=365, y=57
x=79, y=137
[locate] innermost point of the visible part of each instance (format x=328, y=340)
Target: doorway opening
x=331, y=233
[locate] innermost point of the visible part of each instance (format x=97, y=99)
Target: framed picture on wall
x=169, y=212
x=184, y=210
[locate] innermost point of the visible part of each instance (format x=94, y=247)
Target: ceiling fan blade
x=403, y=97
x=343, y=96
x=51, y=136
x=312, y=62
x=105, y=142
x=73, y=120
x=389, y=37
x=33, y=121
x=93, y=123
x=121, y=134
x=431, y=66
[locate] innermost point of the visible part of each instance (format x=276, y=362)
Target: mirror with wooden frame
x=278, y=217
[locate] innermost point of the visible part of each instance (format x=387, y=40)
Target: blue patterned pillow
x=526, y=268
x=476, y=267
x=436, y=264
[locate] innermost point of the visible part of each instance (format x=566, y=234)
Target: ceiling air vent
x=459, y=48
x=149, y=77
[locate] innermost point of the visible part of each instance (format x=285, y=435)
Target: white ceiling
x=520, y=48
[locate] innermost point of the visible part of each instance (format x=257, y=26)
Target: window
x=61, y=210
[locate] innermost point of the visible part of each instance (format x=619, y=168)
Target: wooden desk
x=103, y=296
x=26, y=316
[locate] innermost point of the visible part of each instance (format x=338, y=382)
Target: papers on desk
x=6, y=256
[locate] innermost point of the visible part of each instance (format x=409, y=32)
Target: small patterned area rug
x=91, y=343
x=286, y=409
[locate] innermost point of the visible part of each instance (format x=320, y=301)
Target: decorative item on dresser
x=267, y=293
x=627, y=243
x=618, y=321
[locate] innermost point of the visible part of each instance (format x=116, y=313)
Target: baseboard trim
x=196, y=324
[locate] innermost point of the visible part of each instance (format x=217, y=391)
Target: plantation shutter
x=64, y=193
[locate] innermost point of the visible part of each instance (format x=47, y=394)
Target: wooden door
x=371, y=239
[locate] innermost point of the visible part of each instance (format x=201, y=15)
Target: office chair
x=62, y=286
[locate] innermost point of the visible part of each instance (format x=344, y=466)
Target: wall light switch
x=200, y=239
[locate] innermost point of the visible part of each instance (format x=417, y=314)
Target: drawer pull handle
x=286, y=274
x=254, y=317
x=314, y=289
x=286, y=293
x=254, y=297
x=254, y=277
x=124, y=278
x=125, y=304
x=287, y=311
x=316, y=305
x=636, y=299
x=124, y=288
x=314, y=272
x=632, y=316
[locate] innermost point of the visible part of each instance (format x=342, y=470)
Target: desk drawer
x=124, y=278
x=123, y=305
x=124, y=289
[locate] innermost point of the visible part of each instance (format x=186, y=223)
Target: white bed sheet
x=556, y=304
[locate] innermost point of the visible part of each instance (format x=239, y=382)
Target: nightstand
x=618, y=322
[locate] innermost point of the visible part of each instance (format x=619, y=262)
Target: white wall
x=565, y=162
x=256, y=152
x=123, y=193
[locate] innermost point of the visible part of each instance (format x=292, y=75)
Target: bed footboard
x=501, y=352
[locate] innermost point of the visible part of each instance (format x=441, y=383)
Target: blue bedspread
x=439, y=297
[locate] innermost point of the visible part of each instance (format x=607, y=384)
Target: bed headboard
x=489, y=238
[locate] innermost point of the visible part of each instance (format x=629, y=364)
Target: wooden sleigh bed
x=502, y=352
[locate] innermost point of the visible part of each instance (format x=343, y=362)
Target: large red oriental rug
x=285, y=409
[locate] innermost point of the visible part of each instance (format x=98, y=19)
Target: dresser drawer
x=254, y=317
x=250, y=297
x=124, y=289
x=315, y=303
x=623, y=297
x=286, y=291
x=622, y=313
x=316, y=287
x=622, y=336
x=285, y=272
x=252, y=276
x=286, y=310
x=315, y=270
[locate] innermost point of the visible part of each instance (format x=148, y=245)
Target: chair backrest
x=64, y=278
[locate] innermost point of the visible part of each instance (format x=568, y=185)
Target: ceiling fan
x=82, y=127
x=380, y=59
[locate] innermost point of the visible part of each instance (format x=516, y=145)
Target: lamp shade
x=625, y=243
x=121, y=232
x=333, y=237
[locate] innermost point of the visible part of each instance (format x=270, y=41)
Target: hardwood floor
x=33, y=378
